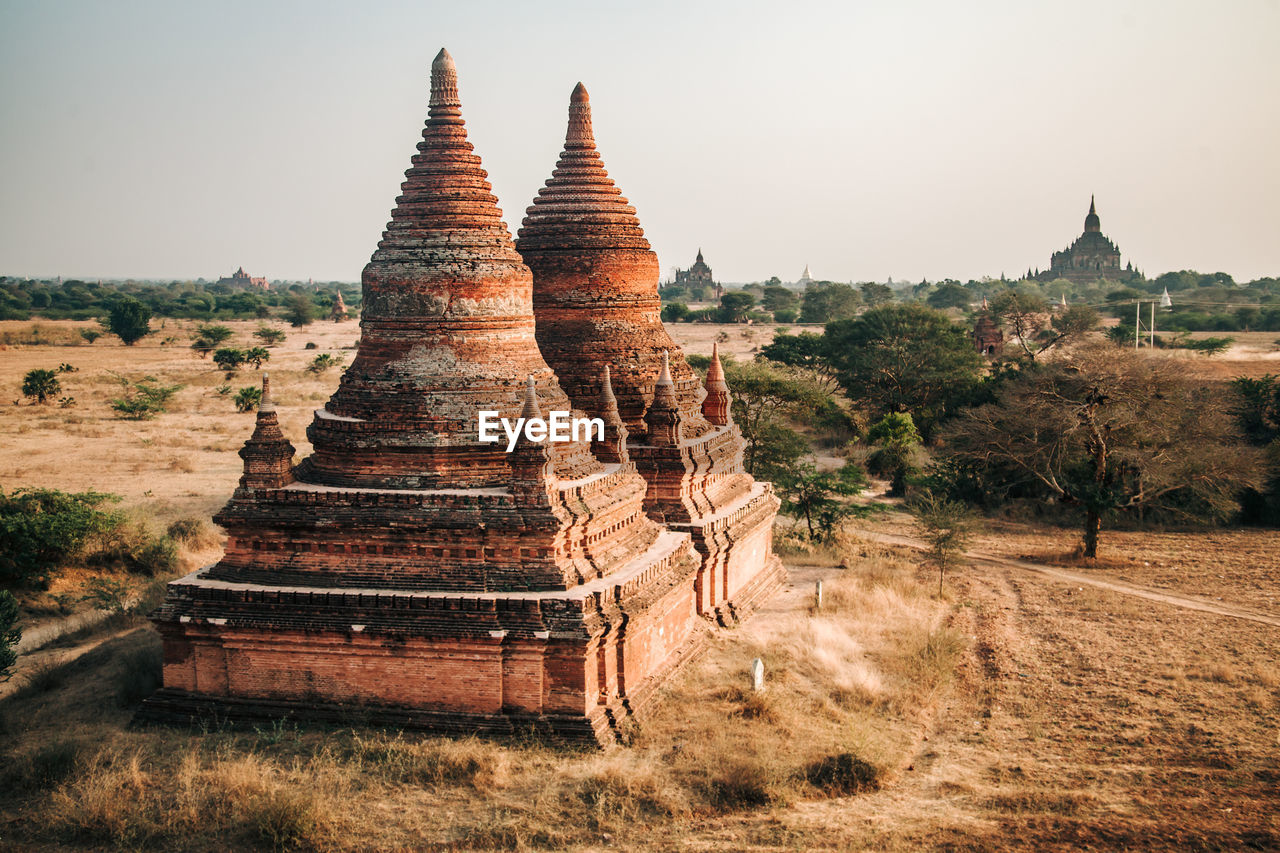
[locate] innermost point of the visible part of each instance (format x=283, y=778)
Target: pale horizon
x=906, y=140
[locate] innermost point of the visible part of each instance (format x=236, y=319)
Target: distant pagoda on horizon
x=1091, y=257
x=241, y=280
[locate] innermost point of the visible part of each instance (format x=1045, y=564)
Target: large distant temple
x=408, y=572
x=241, y=280
x=699, y=273
x=1091, y=257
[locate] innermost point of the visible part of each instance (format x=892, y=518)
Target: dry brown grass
x=168, y=466
x=840, y=716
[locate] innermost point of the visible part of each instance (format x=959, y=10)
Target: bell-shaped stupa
x=407, y=568
x=595, y=297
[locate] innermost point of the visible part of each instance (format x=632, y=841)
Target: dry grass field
x=1017, y=711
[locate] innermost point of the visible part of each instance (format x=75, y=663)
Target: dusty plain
x=1018, y=711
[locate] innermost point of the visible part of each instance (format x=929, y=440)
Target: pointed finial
x=1092, y=208
x=444, y=85
x=579, y=134
x=715, y=372
x=664, y=378
x=607, y=398
x=266, y=404
x=530, y=409
x=716, y=404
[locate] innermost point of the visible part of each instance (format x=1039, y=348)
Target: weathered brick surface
x=404, y=569
x=595, y=298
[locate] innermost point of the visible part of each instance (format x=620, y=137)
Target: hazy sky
x=867, y=139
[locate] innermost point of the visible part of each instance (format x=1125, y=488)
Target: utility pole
x=1153, y=325
x=1137, y=325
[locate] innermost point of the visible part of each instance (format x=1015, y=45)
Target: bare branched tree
x=1109, y=431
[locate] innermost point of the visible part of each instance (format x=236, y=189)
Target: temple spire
x=579, y=133
x=267, y=455
x=266, y=404
x=663, y=417
x=716, y=405
x=530, y=408
x=613, y=447
x=444, y=86
x=1092, y=222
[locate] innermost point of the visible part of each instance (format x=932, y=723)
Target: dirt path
x=1189, y=602
x=1082, y=717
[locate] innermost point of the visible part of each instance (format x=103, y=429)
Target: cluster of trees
x=20, y=299
x=1095, y=433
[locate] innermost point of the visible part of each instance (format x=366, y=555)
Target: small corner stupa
x=595, y=299
x=408, y=572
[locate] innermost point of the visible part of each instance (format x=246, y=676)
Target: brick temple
x=407, y=574
x=595, y=297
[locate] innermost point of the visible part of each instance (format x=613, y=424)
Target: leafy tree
x=1257, y=408
x=256, y=356
x=897, y=439
x=300, y=310
x=947, y=526
x=143, y=399
x=10, y=634
x=774, y=451
x=40, y=528
x=229, y=359
x=1210, y=346
x=1257, y=413
x=90, y=335
x=763, y=396
x=675, y=312
x=949, y=294
x=828, y=301
x=247, y=399
x=874, y=293
x=804, y=351
x=41, y=384
x=1110, y=432
x=129, y=320
x=815, y=497
x=734, y=307
x=270, y=337
x=208, y=337
x=777, y=298
x=904, y=358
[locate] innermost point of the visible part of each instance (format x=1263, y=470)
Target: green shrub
x=248, y=398
x=229, y=359
x=41, y=384
x=323, y=362
x=40, y=528
x=842, y=775
x=270, y=337
x=256, y=356
x=208, y=337
x=106, y=594
x=143, y=399
x=10, y=634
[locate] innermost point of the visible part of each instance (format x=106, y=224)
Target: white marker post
x=757, y=675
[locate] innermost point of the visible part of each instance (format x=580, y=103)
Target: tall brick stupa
x=407, y=573
x=595, y=298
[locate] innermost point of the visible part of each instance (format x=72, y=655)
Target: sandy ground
x=1084, y=719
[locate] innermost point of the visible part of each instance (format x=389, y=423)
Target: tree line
x=1097, y=434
